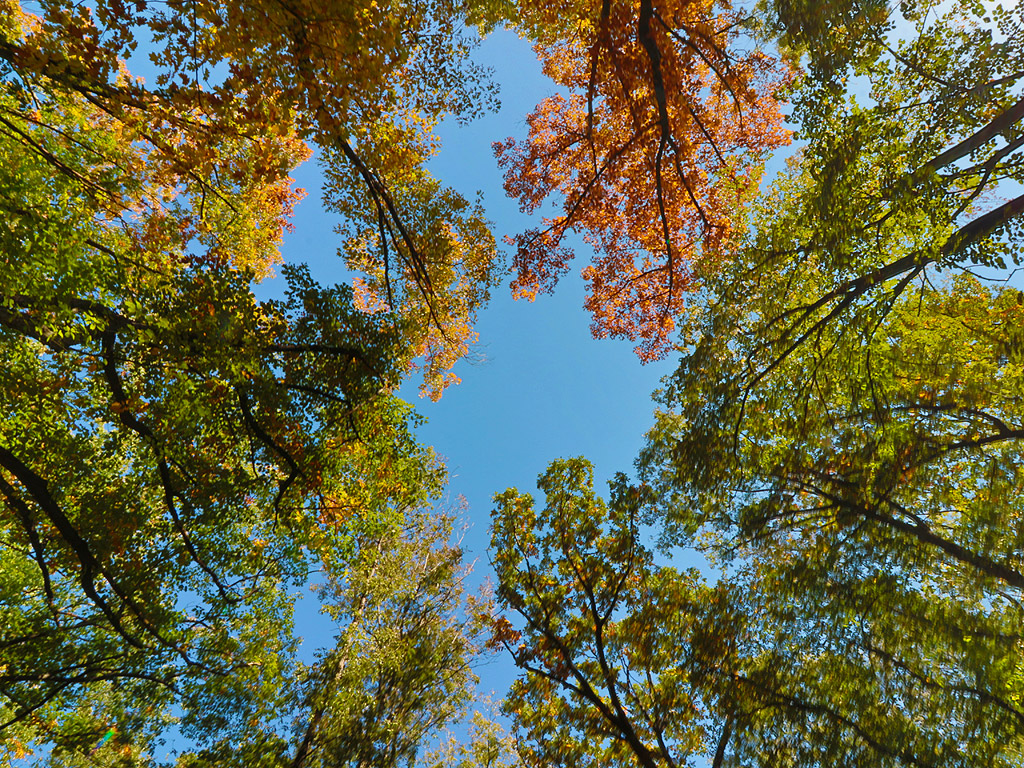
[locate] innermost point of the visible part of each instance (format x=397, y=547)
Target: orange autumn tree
x=653, y=150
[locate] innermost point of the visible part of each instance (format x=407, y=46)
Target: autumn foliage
x=235, y=92
x=653, y=150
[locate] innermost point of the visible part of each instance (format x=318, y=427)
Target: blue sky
x=539, y=387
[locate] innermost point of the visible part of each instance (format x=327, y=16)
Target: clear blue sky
x=542, y=387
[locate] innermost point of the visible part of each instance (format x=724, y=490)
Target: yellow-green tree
x=175, y=454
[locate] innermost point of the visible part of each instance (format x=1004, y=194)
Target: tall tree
x=400, y=669
x=845, y=421
x=624, y=662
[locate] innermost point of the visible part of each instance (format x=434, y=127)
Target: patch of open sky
x=540, y=387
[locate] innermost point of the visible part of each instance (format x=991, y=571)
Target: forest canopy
x=840, y=441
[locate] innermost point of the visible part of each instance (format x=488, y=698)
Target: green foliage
x=177, y=456
x=487, y=746
x=399, y=670
x=844, y=427
x=626, y=662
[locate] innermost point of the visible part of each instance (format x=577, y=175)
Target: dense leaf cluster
x=177, y=456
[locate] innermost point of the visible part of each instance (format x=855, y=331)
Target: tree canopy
x=656, y=148
x=178, y=456
x=841, y=442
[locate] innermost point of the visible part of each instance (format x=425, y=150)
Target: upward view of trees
x=655, y=153
x=841, y=440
